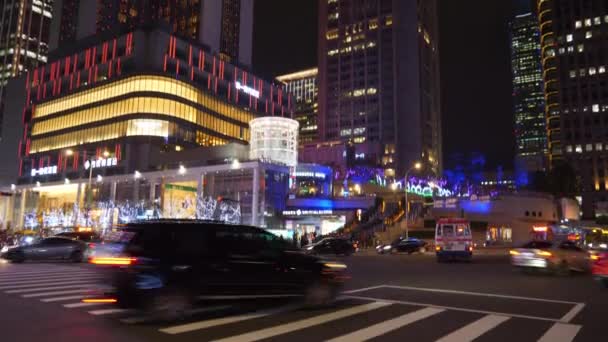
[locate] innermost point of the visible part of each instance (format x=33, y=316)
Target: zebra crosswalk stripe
x=475, y=329
x=561, y=332
x=304, y=323
x=387, y=326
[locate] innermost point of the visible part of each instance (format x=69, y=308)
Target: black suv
x=166, y=266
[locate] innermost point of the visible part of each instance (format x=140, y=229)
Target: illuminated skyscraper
x=575, y=58
x=303, y=86
x=528, y=96
x=379, y=80
x=226, y=26
x=24, y=34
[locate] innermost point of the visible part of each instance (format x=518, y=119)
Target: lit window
x=562, y=50
x=588, y=22
x=578, y=24
x=597, y=21
x=599, y=146
x=606, y=18
x=602, y=69
x=332, y=34
x=570, y=48
x=592, y=71
x=569, y=38
x=578, y=149
x=572, y=74
x=588, y=34
x=569, y=148
x=596, y=108
x=580, y=47
x=589, y=147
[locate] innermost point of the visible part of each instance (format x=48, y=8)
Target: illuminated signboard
x=246, y=89
x=49, y=170
x=301, y=212
x=101, y=162
x=310, y=174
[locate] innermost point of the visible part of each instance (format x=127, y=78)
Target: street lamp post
x=416, y=166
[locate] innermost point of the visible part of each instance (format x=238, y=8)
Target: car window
x=448, y=230
x=462, y=230
x=538, y=245
x=568, y=245
x=189, y=242
x=54, y=242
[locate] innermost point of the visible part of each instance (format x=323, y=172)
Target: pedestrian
x=304, y=240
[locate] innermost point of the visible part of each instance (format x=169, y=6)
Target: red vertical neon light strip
x=190, y=55
x=192, y=73
x=78, y=79
x=87, y=58
x=214, y=65
x=96, y=69
x=229, y=86
x=215, y=86
x=66, y=71
x=94, y=56
x=203, y=61
x=104, y=53
x=165, y=63
x=20, y=167
x=177, y=68
x=209, y=81
x=110, y=68
x=114, y=49
x=75, y=63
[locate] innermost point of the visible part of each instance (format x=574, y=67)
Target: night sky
x=475, y=67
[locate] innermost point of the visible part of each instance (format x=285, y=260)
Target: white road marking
x=569, y=316
x=60, y=299
x=472, y=331
x=387, y=326
x=480, y=294
x=179, y=329
x=364, y=289
x=82, y=305
x=140, y=319
x=108, y=311
x=51, y=288
x=453, y=308
x=53, y=293
x=303, y=324
x=40, y=274
x=49, y=278
x=561, y=332
x=45, y=283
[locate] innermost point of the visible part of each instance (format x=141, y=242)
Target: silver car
x=53, y=248
x=557, y=257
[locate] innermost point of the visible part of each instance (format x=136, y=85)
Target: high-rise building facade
x=24, y=34
x=528, y=95
x=379, y=80
x=226, y=26
x=303, y=86
x=575, y=57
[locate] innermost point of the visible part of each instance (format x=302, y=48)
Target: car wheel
x=563, y=269
x=76, y=256
x=17, y=258
x=320, y=294
x=170, y=305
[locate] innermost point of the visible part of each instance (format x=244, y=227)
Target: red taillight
x=91, y=245
x=113, y=261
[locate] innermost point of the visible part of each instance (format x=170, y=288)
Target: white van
x=453, y=239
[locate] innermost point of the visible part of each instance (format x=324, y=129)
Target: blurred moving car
x=53, y=248
x=557, y=257
x=335, y=246
x=401, y=245
x=599, y=265
x=165, y=267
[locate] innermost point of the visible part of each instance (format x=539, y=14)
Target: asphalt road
x=390, y=298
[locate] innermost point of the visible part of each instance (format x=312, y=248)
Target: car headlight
x=310, y=248
x=4, y=249
x=603, y=245
x=388, y=247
